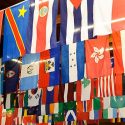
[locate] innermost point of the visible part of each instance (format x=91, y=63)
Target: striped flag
x=1, y=20
x=72, y=68
x=67, y=92
x=15, y=26
x=29, y=71
x=42, y=34
x=49, y=68
x=75, y=20
x=95, y=114
x=109, y=113
x=102, y=14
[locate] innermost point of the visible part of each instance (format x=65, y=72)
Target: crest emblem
x=29, y=69
x=43, y=11
x=85, y=82
x=50, y=65
x=98, y=54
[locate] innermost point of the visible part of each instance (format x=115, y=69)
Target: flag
x=72, y=68
x=70, y=115
x=109, y=113
x=118, y=15
x=50, y=95
x=106, y=103
x=67, y=92
x=12, y=72
x=97, y=57
x=119, y=51
x=117, y=101
x=84, y=106
x=32, y=97
x=15, y=26
x=58, y=117
x=102, y=14
x=83, y=89
x=70, y=105
x=120, y=84
x=11, y=101
x=103, y=86
x=97, y=104
x=49, y=68
x=1, y=20
x=42, y=29
x=121, y=112
x=95, y=114
x=75, y=20
x=29, y=71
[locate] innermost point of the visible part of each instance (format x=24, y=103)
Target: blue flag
x=72, y=62
x=15, y=31
x=29, y=71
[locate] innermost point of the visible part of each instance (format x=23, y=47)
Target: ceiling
x=6, y=3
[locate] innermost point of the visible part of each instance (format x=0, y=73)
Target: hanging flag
x=76, y=20
x=50, y=95
x=58, y=117
x=67, y=92
x=49, y=68
x=15, y=26
x=98, y=57
x=72, y=68
x=11, y=101
x=119, y=51
x=70, y=115
x=118, y=15
x=102, y=14
x=32, y=97
x=117, y=101
x=121, y=112
x=103, y=86
x=29, y=71
x=12, y=72
x=106, y=103
x=42, y=34
x=109, y=113
x=1, y=20
x=95, y=114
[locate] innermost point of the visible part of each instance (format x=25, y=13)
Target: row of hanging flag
x=30, y=26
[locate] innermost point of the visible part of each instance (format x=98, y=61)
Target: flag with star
x=72, y=56
x=15, y=31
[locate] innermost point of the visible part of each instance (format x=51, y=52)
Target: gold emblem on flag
x=43, y=11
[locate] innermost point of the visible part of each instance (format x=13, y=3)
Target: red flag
x=1, y=20
x=118, y=15
x=98, y=57
x=76, y=3
x=119, y=51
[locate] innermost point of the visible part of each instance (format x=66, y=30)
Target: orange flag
x=1, y=20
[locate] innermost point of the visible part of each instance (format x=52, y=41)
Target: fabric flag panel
x=110, y=113
x=118, y=15
x=67, y=92
x=15, y=30
x=119, y=51
x=49, y=68
x=29, y=71
x=50, y=95
x=103, y=86
x=72, y=62
x=43, y=31
x=121, y=112
x=12, y=72
x=98, y=57
x=76, y=16
x=95, y=114
x=32, y=97
x=1, y=20
x=102, y=14
x=117, y=101
x=1, y=76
